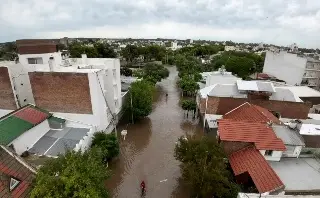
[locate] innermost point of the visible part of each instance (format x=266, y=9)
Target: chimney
x=51, y=63
x=84, y=58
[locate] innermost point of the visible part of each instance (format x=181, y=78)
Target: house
x=221, y=98
x=16, y=176
x=293, y=69
x=36, y=131
x=219, y=77
x=261, y=148
x=81, y=89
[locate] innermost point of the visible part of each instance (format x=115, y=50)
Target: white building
x=293, y=69
x=174, y=45
x=219, y=77
x=87, y=90
x=230, y=48
x=294, y=48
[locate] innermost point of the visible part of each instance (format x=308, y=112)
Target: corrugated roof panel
x=11, y=128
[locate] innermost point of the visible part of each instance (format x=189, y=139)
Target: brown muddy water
x=148, y=151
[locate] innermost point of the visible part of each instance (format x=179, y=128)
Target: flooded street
x=148, y=151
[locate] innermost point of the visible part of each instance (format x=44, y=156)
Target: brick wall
x=230, y=146
x=311, y=141
x=212, y=105
x=221, y=106
x=7, y=100
x=61, y=92
x=37, y=49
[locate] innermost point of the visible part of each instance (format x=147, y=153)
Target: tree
x=241, y=66
x=141, y=97
x=155, y=72
x=108, y=143
x=130, y=52
x=74, y=174
x=188, y=85
x=125, y=71
x=105, y=50
x=204, y=168
x=189, y=105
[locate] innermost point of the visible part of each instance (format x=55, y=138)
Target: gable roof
x=260, y=134
x=16, y=123
x=251, y=112
x=251, y=161
x=12, y=167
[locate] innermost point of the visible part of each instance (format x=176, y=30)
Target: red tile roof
x=250, y=160
x=11, y=167
x=31, y=115
x=252, y=113
x=260, y=134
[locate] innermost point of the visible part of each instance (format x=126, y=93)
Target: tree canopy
x=154, y=72
x=142, y=95
x=188, y=85
x=204, y=168
x=98, y=50
x=108, y=143
x=72, y=175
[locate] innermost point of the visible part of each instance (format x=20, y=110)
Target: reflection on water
x=147, y=152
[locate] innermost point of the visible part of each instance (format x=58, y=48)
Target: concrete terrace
x=298, y=174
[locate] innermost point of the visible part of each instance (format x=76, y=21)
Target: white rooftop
x=314, y=116
x=255, y=86
x=303, y=91
x=231, y=90
x=310, y=129
x=301, y=174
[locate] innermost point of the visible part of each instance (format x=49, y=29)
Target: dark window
x=37, y=60
x=268, y=153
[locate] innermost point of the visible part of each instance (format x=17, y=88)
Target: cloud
x=274, y=21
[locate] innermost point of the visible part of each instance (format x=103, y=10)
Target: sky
x=280, y=22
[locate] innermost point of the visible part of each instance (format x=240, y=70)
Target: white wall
x=30, y=137
x=276, y=155
x=285, y=66
x=99, y=107
x=214, y=79
x=20, y=80
x=292, y=151
x=23, y=59
x=4, y=112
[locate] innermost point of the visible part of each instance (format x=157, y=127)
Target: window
x=268, y=153
x=13, y=183
x=37, y=60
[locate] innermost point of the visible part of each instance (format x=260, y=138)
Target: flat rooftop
x=56, y=142
x=298, y=173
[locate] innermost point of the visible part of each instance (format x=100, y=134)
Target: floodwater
x=148, y=151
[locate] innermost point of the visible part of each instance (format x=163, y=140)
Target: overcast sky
x=281, y=22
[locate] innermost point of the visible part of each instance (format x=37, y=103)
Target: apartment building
x=293, y=69
x=84, y=89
